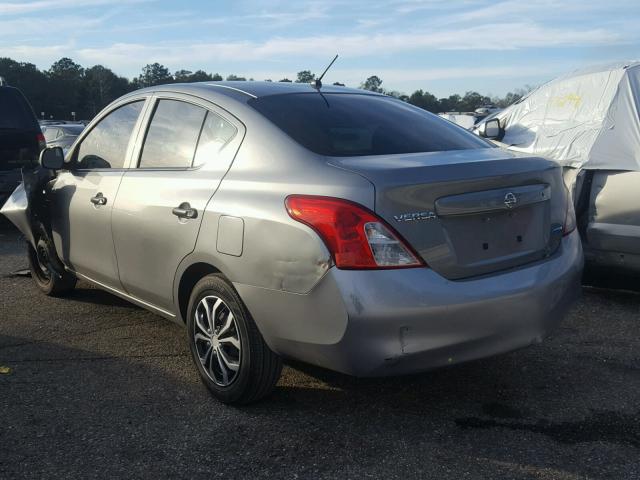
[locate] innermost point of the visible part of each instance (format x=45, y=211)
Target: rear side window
x=50, y=134
x=216, y=133
x=15, y=112
x=106, y=145
x=173, y=135
x=71, y=130
x=357, y=125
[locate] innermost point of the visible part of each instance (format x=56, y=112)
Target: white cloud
x=487, y=37
x=36, y=26
x=40, y=55
x=405, y=7
x=12, y=8
x=558, y=10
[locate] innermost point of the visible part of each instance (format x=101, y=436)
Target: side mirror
x=491, y=129
x=52, y=158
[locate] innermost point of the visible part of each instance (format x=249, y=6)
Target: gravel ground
x=99, y=388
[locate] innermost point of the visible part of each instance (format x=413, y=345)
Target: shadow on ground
x=113, y=410
x=100, y=388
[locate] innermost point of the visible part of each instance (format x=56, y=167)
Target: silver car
x=63, y=135
x=338, y=227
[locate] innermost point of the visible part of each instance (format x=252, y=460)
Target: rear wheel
x=232, y=358
x=47, y=280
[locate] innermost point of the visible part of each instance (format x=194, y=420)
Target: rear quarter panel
x=277, y=253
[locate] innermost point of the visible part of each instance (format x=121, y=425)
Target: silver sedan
x=338, y=227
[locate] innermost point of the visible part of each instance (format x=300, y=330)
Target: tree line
x=68, y=87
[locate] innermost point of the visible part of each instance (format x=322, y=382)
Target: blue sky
x=444, y=47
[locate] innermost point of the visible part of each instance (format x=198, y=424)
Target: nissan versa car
x=339, y=227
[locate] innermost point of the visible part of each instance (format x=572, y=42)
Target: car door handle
x=99, y=199
x=185, y=211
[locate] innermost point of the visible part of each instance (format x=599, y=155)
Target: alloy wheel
x=217, y=340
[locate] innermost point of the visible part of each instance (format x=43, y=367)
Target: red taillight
x=355, y=236
x=42, y=143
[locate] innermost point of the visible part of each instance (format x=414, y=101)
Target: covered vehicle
x=339, y=227
x=588, y=121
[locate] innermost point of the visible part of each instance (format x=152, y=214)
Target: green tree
x=235, y=78
x=509, y=98
x=200, y=76
x=305, y=76
x=424, y=100
x=67, y=69
x=472, y=100
x=153, y=74
x=512, y=97
x=101, y=87
x=399, y=95
x=182, y=76
x=66, y=89
x=31, y=81
x=285, y=80
x=450, y=104
x=373, y=84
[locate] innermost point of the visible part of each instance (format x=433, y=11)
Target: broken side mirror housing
x=491, y=129
x=52, y=158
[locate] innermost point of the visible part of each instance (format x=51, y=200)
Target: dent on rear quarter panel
x=278, y=252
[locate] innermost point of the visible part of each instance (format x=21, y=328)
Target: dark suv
x=20, y=138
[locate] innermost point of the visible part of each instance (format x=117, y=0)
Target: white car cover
x=586, y=119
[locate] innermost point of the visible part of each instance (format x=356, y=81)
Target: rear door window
x=107, y=143
x=173, y=135
x=358, y=125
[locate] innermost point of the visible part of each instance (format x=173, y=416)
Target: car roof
x=254, y=89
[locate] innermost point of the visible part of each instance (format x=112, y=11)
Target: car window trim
x=72, y=154
x=207, y=105
x=143, y=121
x=156, y=103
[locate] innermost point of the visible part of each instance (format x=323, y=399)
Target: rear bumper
x=392, y=322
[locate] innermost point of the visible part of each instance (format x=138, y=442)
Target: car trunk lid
x=468, y=212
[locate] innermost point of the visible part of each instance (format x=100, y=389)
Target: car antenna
x=317, y=83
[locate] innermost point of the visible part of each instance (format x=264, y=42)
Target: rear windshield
x=73, y=130
x=15, y=112
x=342, y=125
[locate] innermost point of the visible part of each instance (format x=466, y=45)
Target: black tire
x=259, y=367
x=46, y=280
